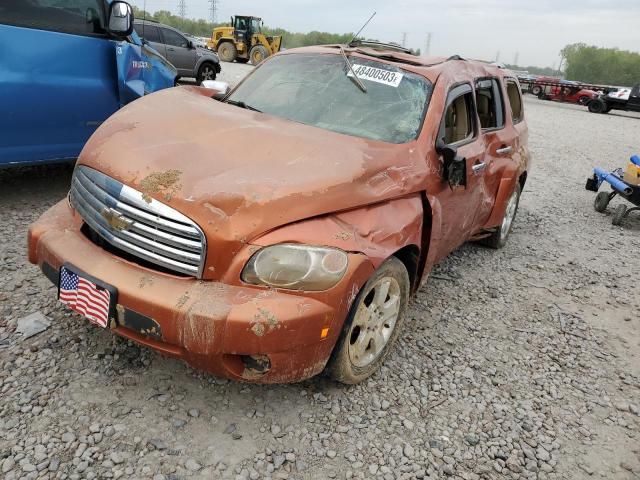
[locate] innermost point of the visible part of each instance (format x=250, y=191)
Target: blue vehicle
x=65, y=67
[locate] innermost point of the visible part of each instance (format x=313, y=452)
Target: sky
x=535, y=30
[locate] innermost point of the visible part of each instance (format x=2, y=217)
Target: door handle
x=479, y=167
x=171, y=49
x=504, y=150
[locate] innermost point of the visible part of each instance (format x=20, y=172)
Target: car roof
x=428, y=66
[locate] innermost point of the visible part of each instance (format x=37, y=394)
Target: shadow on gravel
x=20, y=183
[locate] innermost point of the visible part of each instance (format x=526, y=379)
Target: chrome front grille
x=137, y=225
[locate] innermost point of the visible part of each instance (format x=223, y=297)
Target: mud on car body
x=279, y=231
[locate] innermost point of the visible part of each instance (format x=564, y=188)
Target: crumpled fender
x=377, y=231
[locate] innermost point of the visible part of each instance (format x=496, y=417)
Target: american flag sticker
x=85, y=297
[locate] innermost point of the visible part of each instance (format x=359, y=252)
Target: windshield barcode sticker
x=378, y=75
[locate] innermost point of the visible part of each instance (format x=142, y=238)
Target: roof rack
x=380, y=46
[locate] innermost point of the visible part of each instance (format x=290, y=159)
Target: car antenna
x=363, y=27
x=353, y=75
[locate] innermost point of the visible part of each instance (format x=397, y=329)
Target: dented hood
x=239, y=173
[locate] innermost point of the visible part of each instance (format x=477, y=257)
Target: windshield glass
x=315, y=89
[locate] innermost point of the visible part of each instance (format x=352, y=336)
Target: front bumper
x=212, y=326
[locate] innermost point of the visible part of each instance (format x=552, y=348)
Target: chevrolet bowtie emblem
x=115, y=219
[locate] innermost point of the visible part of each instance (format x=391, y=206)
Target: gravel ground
x=520, y=363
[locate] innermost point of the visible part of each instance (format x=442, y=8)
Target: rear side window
x=173, y=38
x=150, y=33
x=489, y=103
x=459, y=118
x=82, y=17
x=515, y=100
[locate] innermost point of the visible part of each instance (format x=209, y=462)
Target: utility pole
x=498, y=56
x=213, y=5
x=516, y=58
x=427, y=50
x=404, y=39
x=182, y=9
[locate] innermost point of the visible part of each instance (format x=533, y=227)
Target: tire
x=227, y=52
x=242, y=60
x=498, y=239
x=584, y=100
x=601, y=202
x=353, y=361
x=207, y=71
x=258, y=54
x=618, y=214
x=535, y=90
x=597, y=106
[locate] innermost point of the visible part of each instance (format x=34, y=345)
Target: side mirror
x=455, y=166
x=221, y=88
x=190, y=45
x=120, y=19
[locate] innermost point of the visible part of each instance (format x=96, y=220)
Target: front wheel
x=207, y=71
x=498, y=239
x=597, y=106
x=258, y=54
x=373, y=324
x=535, y=90
x=601, y=202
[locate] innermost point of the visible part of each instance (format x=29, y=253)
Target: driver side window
x=174, y=39
x=80, y=17
x=459, y=122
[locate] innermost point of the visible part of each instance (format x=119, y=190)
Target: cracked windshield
x=317, y=90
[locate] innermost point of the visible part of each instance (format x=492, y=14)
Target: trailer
x=559, y=90
x=626, y=99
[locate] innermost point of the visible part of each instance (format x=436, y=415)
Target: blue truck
x=65, y=67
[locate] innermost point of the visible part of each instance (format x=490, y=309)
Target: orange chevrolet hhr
x=278, y=231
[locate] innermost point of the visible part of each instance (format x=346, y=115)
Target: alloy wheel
x=374, y=322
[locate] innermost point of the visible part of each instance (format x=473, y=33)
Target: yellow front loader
x=244, y=41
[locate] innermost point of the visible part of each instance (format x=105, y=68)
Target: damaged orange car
x=278, y=231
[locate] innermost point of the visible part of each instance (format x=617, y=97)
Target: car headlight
x=296, y=267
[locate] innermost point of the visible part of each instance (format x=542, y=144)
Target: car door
x=459, y=132
x=516, y=126
x=179, y=52
x=151, y=34
x=58, y=79
x=498, y=140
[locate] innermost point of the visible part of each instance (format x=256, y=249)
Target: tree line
x=606, y=66
x=582, y=62
x=203, y=28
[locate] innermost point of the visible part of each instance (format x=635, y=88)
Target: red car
x=557, y=90
x=570, y=94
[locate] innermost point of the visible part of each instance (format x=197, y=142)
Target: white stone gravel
x=520, y=363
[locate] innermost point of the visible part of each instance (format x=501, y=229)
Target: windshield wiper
x=354, y=77
x=241, y=104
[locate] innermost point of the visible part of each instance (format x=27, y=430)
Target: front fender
x=377, y=231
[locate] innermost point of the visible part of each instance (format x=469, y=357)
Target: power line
x=182, y=8
x=404, y=39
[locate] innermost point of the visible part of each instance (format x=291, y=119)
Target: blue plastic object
x=613, y=180
x=635, y=160
x=56, y=88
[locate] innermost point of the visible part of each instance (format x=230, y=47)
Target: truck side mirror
x=120, y=19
